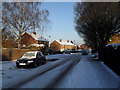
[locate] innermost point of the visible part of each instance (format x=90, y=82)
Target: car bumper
x=25, y=64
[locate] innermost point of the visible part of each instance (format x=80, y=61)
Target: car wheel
x=43, y=62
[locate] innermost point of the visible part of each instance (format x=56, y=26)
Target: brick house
x=60, y=45
x=84, y=46
x=33, y=40
x=115, y=39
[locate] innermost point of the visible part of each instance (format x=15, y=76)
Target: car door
x=38, y=57
x=43, y=58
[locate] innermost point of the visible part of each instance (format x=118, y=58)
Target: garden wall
x=12, y=54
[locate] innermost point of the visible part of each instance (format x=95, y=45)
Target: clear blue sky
x=62, y=21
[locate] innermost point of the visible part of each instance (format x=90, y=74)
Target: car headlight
x=17, y=61
x=30, y=61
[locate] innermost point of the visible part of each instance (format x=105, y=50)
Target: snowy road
x=89, y=73
x=12, y=76
x=46, y=80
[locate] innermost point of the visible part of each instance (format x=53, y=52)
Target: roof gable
x=37, y=37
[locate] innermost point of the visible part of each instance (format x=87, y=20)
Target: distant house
x=84, y=46
x=115, y=39
x=60, y=45
x=34, y=40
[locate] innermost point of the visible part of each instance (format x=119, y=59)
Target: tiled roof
x=38, y=37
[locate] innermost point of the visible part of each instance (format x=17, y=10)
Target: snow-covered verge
x=107, y=68
x=114, y=74
x=12, y=75
x=95, y=57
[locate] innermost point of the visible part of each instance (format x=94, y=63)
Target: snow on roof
x=37, y=45
x=64, y=42
x=38, y=37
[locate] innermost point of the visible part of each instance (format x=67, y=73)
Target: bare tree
x=8, y=39
x=20, y=17
x=97, y=22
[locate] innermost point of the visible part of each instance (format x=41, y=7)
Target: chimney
x=67, y=41
x=34, y=33
x=60, y=40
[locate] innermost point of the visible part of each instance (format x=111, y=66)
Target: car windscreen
x=29, y=54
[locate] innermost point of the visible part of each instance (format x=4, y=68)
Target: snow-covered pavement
x=89, y=73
